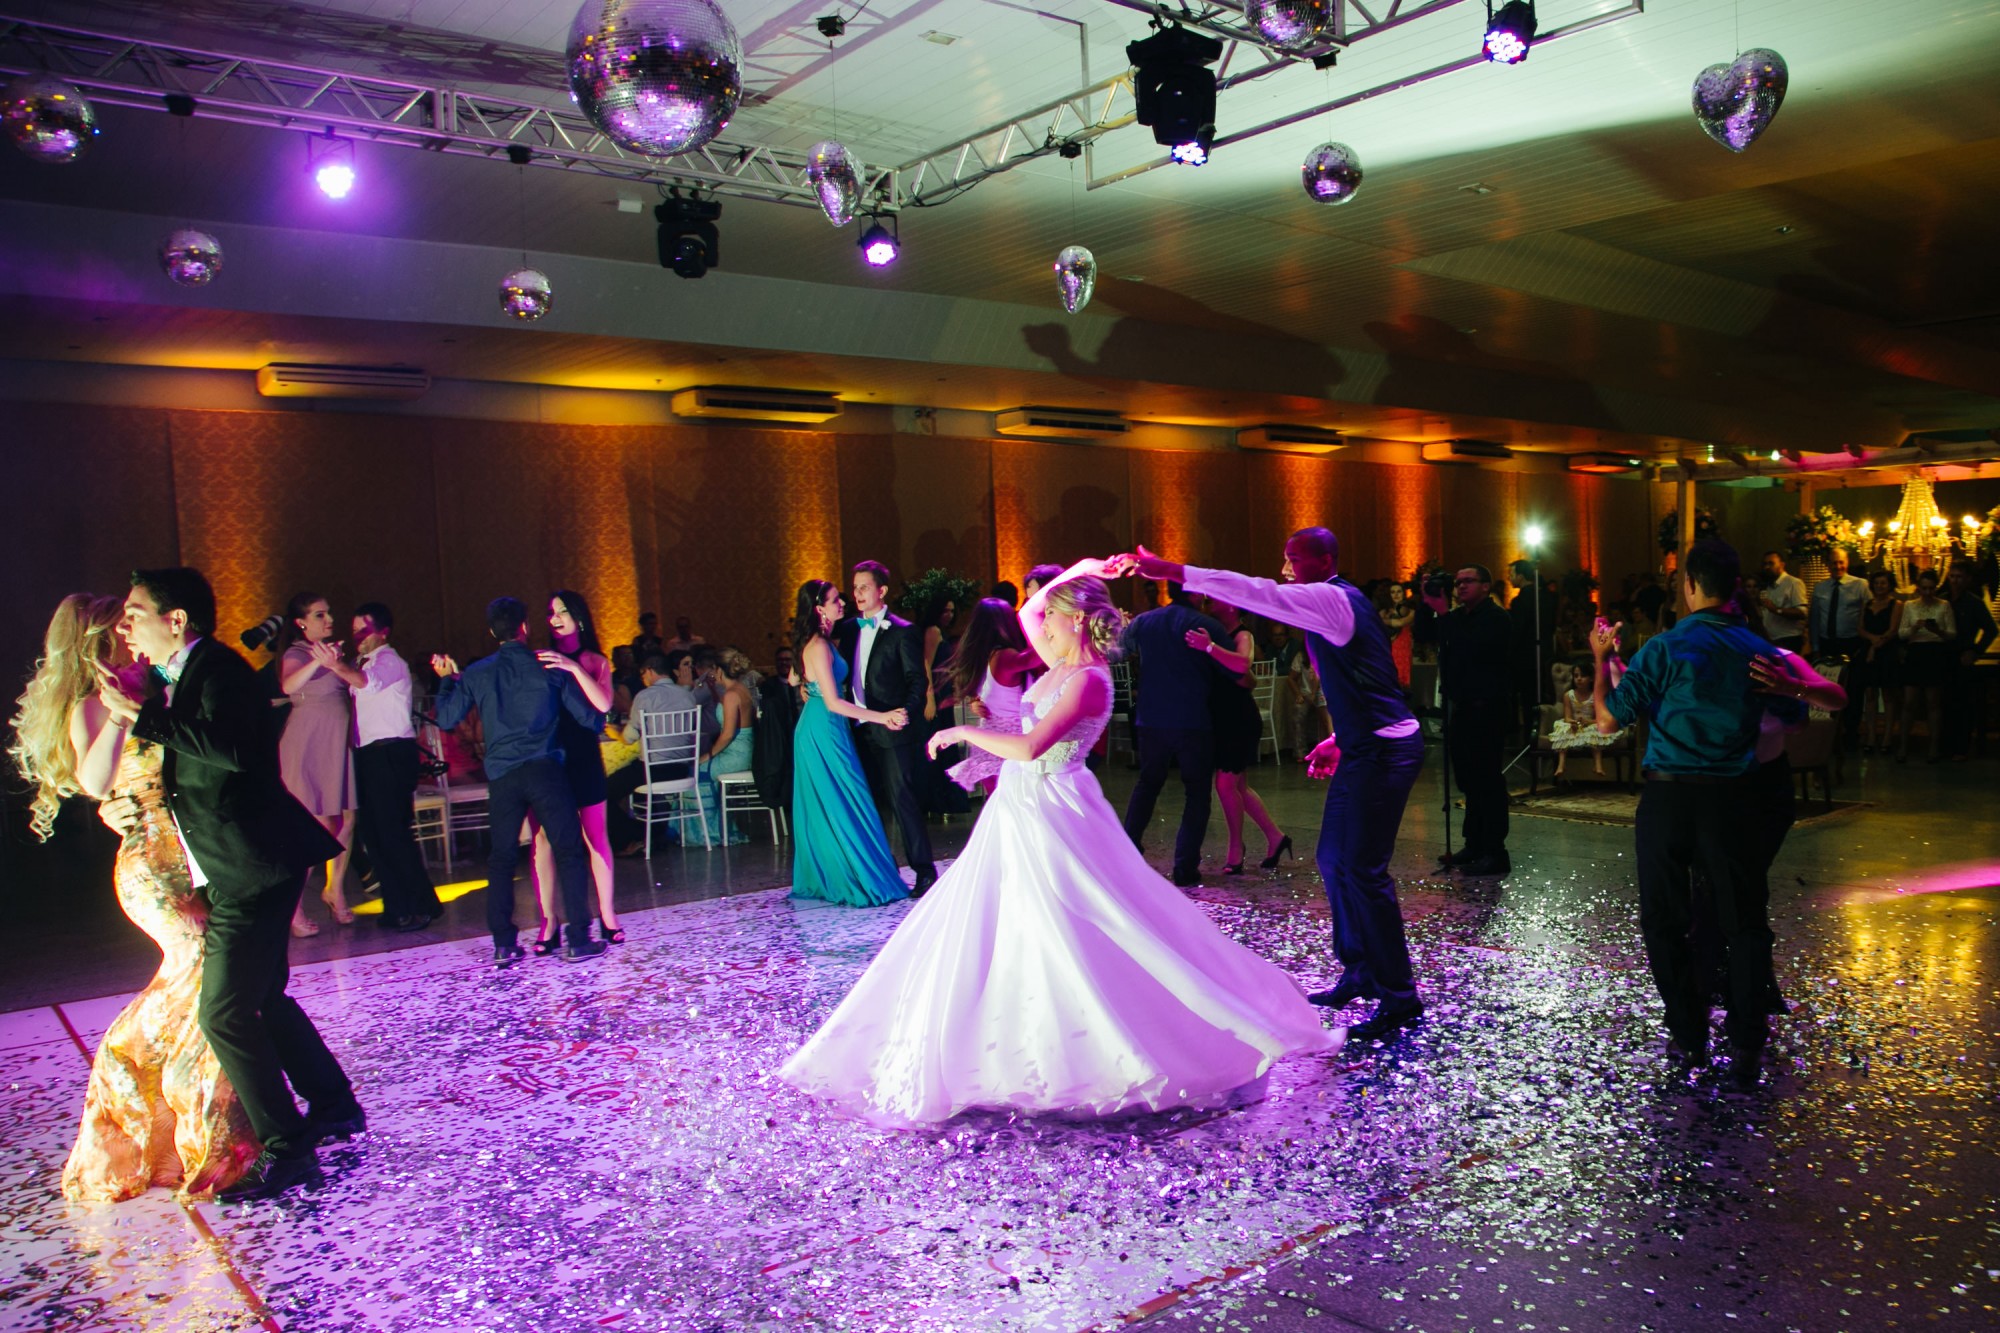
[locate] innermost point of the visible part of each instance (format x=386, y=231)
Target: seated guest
x=667, y=687
x=736, y=713
x=737, y=663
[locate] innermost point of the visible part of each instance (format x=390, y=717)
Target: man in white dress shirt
x=1835, y=622
x=386, y=768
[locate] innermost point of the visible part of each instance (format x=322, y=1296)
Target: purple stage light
x=1510, y=32
x=879, y=244
x=1189, y=154
x=335, y=179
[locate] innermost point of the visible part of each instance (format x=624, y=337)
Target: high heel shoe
x=543, y=948
x=609, y=934
x=1278, y=853
x=1235, y=868
x=304, y=928
x=340, y=911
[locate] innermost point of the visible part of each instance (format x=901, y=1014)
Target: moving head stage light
x=1175, y=90
x=689, y=243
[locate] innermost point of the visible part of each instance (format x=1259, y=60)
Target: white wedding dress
x=1051, y=969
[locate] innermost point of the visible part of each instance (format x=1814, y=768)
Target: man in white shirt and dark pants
x=386, y=769
x=1782, y=599
x=1372, y=767
x=1835, y=622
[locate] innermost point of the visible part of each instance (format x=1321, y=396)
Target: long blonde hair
x=1090, y=598
x=80, y=634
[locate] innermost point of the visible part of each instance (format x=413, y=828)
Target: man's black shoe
x=506, y=955
x=343, y=1124
x=1486, y=867
x=925, y=878
x=1186, y=879
x=405, y=924
x=1390, y=1017
x=1458, y=858
x=1687, y=1055
x=1745, y=1063
x=1347, y=992
x=577, y=953
x=271, y=1175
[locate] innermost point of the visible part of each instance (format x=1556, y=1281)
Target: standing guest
x=991, y=666
x=736, y=733
x=1038, y=578
x=1173, y=724
x=1834, y=624
x=666, y=686
x=625, y=682
x=839, y=850
x=884, y=657
x=684, y=636
x=1695, y=686
x=1781, y=598
x=1239, y=734
x=519, y=700
x=573, y=636
x=315, y=753
x=1929, y=633
x=1004, y=591
x=936, y=792
x=157, y=1110
x=1398, y=611
x=1372, y=761
x=778, y=706
x=249, y=843
x=1473, y=654
x=1973, y=622
x=648, y=640
x=1876, y=679
x=386, y=769
x=784, y=664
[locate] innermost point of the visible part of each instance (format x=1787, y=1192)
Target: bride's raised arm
x=1037, y=606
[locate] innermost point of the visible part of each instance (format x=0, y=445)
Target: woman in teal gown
x=840, y=852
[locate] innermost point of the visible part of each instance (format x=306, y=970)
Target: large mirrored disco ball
x=836, y=179
x=191, y=258
x=1735, y=103
x=1289, y=25
x=1332, y=173
x=525, y=294
x=1076, y=277
x=659, y=76
x=47, y=119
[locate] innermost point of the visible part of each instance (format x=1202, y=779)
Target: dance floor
x=604, y=1145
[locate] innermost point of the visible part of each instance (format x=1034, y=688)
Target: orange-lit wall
x=436, y=516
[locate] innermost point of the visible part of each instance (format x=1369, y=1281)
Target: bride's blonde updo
x=1089, y=598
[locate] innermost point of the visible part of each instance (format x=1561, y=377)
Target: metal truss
x=247, y=90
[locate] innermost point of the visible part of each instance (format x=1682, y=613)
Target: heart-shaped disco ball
x=1289, y=25
x=836, y=179
x=659, y=76
x=1735, y=103
x=1331, y=174
x=47, y=119
x=191, y=257
x=1076, y=277
x=525, y=294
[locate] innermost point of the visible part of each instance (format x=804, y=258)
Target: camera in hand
x=260, y=634
x=1438, y=585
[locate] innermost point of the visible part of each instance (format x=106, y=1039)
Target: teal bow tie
x=871, y=622
x=171, y=673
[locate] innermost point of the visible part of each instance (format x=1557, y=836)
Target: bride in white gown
x=1052, y=969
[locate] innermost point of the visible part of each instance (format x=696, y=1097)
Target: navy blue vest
x=1359, y=680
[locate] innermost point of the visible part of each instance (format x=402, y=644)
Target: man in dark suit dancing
x=885, y=654
x=1173, y=722
x=249, y=844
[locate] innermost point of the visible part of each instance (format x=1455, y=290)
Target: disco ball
x=659, y=76
x=526, y=295
x=47, y=119
x=191, y=257
x=836, y=179
x=1332, y=174
x=1289, y=25
x=1735, y=103
x=1076, y=277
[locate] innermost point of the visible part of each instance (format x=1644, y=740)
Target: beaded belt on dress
x=1061, y=757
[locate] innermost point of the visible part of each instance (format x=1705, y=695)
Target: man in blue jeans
x=1372, y=768
x=518, y=701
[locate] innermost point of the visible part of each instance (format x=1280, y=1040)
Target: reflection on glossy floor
x=603, y=1145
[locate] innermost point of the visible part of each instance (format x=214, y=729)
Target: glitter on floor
x=604, y=1146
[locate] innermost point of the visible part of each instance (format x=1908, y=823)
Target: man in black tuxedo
x=1173, y=722
x=249, y=844
x=885, y=655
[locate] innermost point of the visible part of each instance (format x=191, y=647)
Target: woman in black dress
x=1927, y=631
x=1239, y=732
x=1875, y=683
x=573, y=635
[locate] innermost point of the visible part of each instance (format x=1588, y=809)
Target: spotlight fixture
x=689, y=242
x=331, y=161
x=1510, y=31
x=1174, y=90
x=831, y=25
x=1532, y=535
x=879, y=244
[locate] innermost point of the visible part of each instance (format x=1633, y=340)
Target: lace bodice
x=1068, y=752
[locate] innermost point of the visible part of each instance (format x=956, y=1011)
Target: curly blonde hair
x=1090, y=598
x=80, y=634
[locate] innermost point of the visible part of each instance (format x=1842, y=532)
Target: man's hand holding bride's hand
x=1120, y=566
x=1146, y=565
x=1324, y=761
x=943, y=740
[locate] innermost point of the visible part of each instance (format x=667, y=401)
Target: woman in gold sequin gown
x=157, y=1110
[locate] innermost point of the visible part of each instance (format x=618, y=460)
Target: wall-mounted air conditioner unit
x=1061, y=422
x=1465, y=451
x=1280, y=438
x=281, y=380
x=756, y=404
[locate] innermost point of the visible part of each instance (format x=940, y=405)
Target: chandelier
x=1919, y=536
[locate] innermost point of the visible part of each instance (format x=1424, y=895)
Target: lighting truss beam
x=1353, y=21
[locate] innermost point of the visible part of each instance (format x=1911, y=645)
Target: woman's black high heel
x=1235, y=869
x=608, y=935
x=553, y=944
x=1278, y=853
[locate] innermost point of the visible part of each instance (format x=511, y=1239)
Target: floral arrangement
x=932, y=587
x=1670, y=528
x=1815, y=536
x=1577, y=586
